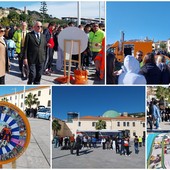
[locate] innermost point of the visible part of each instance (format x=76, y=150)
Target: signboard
x=73, y=33
x=14, y=132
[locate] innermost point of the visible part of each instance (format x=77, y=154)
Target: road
x=97, y=158
x=37, y=154
x=13, y=77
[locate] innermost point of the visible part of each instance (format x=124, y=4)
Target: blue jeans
x=11, y=53
x=136, y=148
x=157, y=123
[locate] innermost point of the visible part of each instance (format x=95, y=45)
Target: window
x=21, y=104
x=124, y=123
x=133, y=124
x=143, y=124
x=127, y=123
x=134, y=133
x=118, y=123
x=39, y=93
x=93, y=124
x=10, y=98
x=49, y=91
x=49, y=103
x=79, y=124
x=15, y=96
x=22, y=96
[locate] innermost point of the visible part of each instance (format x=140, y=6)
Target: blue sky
x=95, y=100
x=60, y=9
x=11, y=89
x=138, y=20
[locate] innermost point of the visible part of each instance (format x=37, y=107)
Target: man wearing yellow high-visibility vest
x=95, y=43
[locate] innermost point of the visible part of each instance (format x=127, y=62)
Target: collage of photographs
x=84, y=85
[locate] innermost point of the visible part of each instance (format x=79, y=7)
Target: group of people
x=138, y=69
x=120, y=145
x=156, y=113
x=35, y=49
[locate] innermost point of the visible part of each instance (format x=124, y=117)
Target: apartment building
x=43, y=93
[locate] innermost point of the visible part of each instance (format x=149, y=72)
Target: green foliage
x=163, y=93
x=31, y=99
x=101, y=124
x=4, y=99
x=23, y=17
x=163, y=46
x=5, y=21
x=56, y=126
x=14, y=17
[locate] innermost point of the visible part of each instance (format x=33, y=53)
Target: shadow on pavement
x=60, y=156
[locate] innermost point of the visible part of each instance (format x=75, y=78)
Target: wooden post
x=70, y=60
x=14, y=165
x=70, y=56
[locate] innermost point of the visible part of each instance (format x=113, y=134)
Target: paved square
x=98, y=158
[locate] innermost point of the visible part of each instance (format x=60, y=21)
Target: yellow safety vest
x=95, y=40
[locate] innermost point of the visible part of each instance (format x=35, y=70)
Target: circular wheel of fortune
x=14, y=132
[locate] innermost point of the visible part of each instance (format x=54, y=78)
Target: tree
x=163, y=46
x=4, y=99
x=101, y=124
x=163, y=94
x=31, y=100
x=23, y=17
x=14, y=17
x=43, y=9
x=56, y=126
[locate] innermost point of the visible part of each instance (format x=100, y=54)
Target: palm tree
x=56, y=126
x=101, y=124
x=31, y=100
x=4, y=99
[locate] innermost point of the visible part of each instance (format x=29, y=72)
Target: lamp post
x=15, y=94
x=24, y=100
x=78, y=13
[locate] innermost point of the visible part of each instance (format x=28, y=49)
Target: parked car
x=41, y=107
x=44, y=113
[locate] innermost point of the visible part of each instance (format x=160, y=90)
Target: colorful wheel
x=14, y=132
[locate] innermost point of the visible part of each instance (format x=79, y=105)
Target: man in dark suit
x=34, y=50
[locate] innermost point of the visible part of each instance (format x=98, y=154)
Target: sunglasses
x=39, y=26
x=140, y=55
x=2, y=30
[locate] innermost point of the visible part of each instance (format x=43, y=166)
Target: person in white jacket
x=130, y=72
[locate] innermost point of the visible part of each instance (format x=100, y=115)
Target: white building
x=168, y=45
x=43, y=93
x=136, y=126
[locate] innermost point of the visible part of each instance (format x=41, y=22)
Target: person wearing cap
x=4, y=61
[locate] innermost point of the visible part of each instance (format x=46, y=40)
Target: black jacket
x=33, y=50
x=152, y=73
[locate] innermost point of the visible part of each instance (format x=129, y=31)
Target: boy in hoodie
x=130, y=74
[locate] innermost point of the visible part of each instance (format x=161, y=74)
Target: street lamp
x=15, y=94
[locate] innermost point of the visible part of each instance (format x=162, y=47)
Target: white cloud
x=61, y=9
